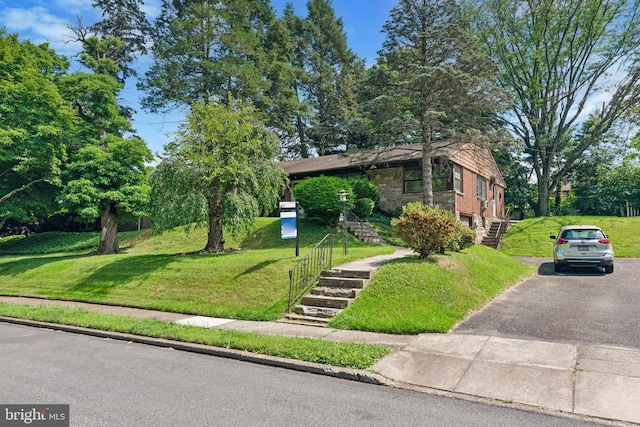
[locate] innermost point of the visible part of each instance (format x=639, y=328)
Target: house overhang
x=401, y=155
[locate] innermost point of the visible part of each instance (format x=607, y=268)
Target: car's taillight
x=604, y=241
x=562, y=241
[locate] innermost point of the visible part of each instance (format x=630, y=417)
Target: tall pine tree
x=431, y=86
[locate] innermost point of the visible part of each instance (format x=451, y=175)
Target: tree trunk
x=543, y=199
x=427, y=176
x=215, y=239
x=109, y=243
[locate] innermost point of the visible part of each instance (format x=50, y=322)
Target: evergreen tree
x=431, y=86
x=208, y=51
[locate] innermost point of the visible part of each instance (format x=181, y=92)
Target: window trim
x=457, y=180
x=481, y=187
x=405, y=181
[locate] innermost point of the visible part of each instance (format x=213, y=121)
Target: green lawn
x=166, y=273
x=410, y=296
x=531, y=236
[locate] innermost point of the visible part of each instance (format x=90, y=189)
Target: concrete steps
x=490, y=239
x=335, y=291
x=364, y=232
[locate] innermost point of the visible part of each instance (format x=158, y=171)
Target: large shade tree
x=106, y=177
x=220, y=170
x=35, y=122
x=432, y=86
x=557, y=59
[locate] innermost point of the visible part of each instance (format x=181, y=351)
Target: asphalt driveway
x=577, y=306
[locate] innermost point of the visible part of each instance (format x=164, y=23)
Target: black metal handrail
x=506, y=219
x=308, y=270
x=351, y=217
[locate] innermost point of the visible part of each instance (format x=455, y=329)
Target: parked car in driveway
x=582, y=246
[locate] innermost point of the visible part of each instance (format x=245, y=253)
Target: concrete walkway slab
x=531, y=385
x=523, y=352
x=463, y=346
x=608, y=396
x=205, y=322
x=433, y=370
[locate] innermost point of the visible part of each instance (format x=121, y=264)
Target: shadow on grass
x=134, y=269
x=256, y=267
x=25, y=264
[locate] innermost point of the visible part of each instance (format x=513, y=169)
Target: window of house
x=412, y=179
x=441, y=175
x=457, y=178
x=482, y=187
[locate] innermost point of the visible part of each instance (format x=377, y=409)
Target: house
x=466, y=180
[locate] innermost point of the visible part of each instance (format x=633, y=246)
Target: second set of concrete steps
x=336, y=289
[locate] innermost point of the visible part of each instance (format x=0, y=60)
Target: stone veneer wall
x=390, y=183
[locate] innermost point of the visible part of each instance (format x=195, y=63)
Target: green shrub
x=425, y=229
x=365, y=189
x=363, y=207
x=319, y=198
x=464, y=238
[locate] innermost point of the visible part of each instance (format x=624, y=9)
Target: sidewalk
x=595, y=381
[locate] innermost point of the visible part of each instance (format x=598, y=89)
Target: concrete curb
x=241, y=355
x=302, y=366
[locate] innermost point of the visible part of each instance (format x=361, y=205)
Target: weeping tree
x=220, y=170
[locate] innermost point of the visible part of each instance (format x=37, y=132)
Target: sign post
x=289, y=222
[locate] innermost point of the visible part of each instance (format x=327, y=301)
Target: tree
x=107, y=176
x=34, y=122
x=332, y=72
x=556, y=58
x=207, y=51
x=328, y=83
x=281, y=103
x=123, y=20
x=432, y=85
x=519, y=193
x=219, y=170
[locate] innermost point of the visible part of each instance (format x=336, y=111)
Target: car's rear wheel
x=608, y=268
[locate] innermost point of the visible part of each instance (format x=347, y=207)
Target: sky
x=43, y=21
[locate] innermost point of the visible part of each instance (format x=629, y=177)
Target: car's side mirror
x=552, y=237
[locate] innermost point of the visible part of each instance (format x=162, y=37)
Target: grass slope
x=165, y=272
x=410, y=296
x=530, y=237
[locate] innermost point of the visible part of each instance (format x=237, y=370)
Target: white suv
x=582, y=246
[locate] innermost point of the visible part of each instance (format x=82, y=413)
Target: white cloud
x=38, y=25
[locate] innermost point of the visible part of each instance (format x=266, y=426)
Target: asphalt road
x=115, y=383
x=577, y=306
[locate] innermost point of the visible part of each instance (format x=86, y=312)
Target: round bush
x=363, y=207
x=425, y=229
x=319, y=198
x=464, y=238
x=365, y=189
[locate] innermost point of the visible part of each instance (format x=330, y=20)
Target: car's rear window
x=582, y=234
